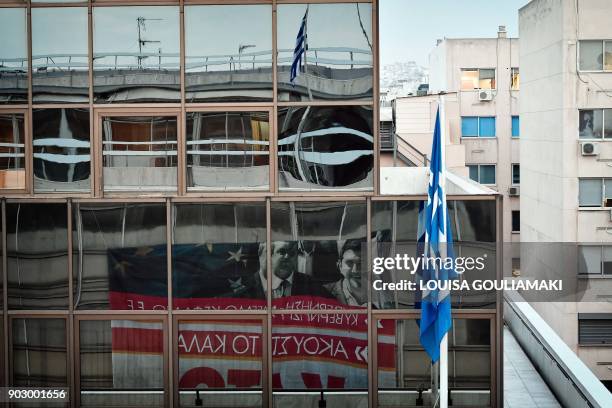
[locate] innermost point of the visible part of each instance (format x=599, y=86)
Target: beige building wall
x=552, y=93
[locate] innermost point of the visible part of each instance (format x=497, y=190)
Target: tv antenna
x=140, y=22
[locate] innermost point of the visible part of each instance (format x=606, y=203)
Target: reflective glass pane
x=515, y=126
x=228, y=150
x=61, y=150
x=318, y=255
x=607, y=123
x=515, y=80
x=486, y=79
x=404, y=368
x=136, y=54
x=12, y=150
x=486, y=127
x=590, y=192
x=325, y=147
x=591, y=57
x=589, y=260
x=606, y=265
x=516, y=174
x=608, y=56
x=37, y=252
x=590, y=123
x=121, y=363
x=487, y=174
x=473, y=169
x=13, y=55
x=219, y=256
x=119, y=256
x=469, y=126
x=39, y=353
x=140, y=153
x=60, y=68
x=469, y=79
x=237, y=65
x=220, y=363
x=336, y=62
x=320, y=355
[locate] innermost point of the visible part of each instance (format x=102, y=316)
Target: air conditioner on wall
x=514, y=191
x=589, y=149
x=485, y=95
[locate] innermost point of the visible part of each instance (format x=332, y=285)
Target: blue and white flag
x=435, y=241
x=301, y=45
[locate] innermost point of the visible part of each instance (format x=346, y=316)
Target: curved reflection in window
x=121, y=363
x=473, y=227
x=12, y=156
x=60, y=67
x=237, y=64
x=13, y=56
x=219, y=252
x=120, y=256
x=319, y=255
x=140, y=153
x=37, y=245
x=337, y=62
x=61, y=150
x=39, y=356
x=325, y=147
x=228, y=150
x=404, y=367
x=136, y=54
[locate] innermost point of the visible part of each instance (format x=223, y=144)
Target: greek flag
x=301, y=45
x=435, y=241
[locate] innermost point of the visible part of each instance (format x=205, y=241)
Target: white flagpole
x=444, y=342
x=306, y=52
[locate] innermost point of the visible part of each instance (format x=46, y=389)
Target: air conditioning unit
x=589, y=149
x=514, y=191
x=485, y=95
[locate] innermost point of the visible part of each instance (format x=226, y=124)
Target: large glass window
x=516, y=129
x=595, y=123
x=61, y=145
x=228, y=150
x=219, y=256
x=595, y=192
x=404, y=368
x=477, y=78
x=140, y=153
x=478, y=126
x=136, y=54
x=220, y=363
x=591, y=55
x=60, y=67
x=482, y=173
x=121, y=363
x=237, y=64
x=325, y=147
x=37, y=256
x=39, y=357
x=12, y=150
x=119, y=256
x=318, y=255
x=324, y=51
x=13, y=55
x=323, y=357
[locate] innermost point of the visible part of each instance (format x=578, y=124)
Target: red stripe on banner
x=217, y=343
x=134, y=301
x=134, y=340
x=386, y=355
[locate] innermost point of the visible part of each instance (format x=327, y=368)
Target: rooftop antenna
x=140, y=21
x=241, y=48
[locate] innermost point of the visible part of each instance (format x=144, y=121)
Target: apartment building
x=566, y=161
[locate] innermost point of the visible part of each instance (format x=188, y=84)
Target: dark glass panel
x=140, y=153
x=13, y=56
x=121, y=363
x=136, y=54
x=318, y=255
x=60, y=67
x=220, y=363
x=12, y=151
x=37, y=256
x=120, y=256
x=237, y=65
x=61, y=150
x=337, y=63
x=218, y=256
x=228, y=150
x=321, y=148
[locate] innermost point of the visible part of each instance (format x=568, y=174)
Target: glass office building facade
x=158, y=158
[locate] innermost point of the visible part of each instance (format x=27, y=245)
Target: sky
x=409, y=28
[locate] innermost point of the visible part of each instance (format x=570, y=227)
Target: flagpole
x=444, y=342
x=305, y=57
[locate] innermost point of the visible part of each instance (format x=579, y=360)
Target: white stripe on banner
x=332, y=159
x=324, y=132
